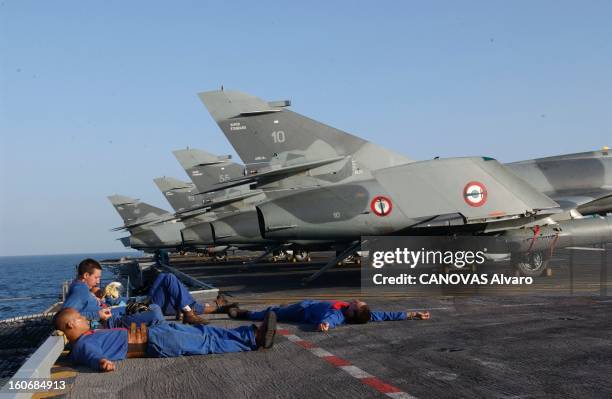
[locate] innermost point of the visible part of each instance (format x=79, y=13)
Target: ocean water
x=30, y=284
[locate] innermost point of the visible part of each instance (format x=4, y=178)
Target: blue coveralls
x=171, y=295
x=317, y=312
x=165, y=340
x=80, y=298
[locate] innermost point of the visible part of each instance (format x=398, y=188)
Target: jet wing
x=480, y=189
x=165, y=218
x=274, y=174
x=191, y=214
x=133, y=225
x=599, y=198
x=215, y=203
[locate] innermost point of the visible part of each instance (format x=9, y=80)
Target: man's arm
x=88, y=354
x=387, y=316
x=78, y=300
x=394, y=316
x=332, y=319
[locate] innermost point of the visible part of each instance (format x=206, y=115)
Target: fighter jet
x=581, y=181
x=191, y=210
x=234, y=221
x=236, y=203
x=345, y=187
x=150, y=228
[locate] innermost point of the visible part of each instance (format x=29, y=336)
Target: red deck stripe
x=336, y=361
x=373, y=382
x=379, y=385
x=306, y=344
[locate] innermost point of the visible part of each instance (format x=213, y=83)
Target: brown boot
x=237, y=313
x=264, y=334
x=190, y=317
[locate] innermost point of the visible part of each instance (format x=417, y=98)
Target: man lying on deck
x=168, y=296
x=327, y=314
x=99, y=349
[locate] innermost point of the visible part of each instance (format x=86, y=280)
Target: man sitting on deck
x=99, y=349
x=83, y=300
x=168, y=296
x=327, y=314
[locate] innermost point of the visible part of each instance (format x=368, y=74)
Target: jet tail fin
x=265, y=133
x=207, y=170
x=180, y=194
x=133, y=210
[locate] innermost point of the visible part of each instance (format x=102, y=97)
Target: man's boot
x=264, y=334
x=190, y=317
x=237, y=313
x=223, y=306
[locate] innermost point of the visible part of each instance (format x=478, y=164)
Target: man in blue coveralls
x=174, y=298
x=84, y=301
x=168, y=296
x=327, y=314
x=99, y=349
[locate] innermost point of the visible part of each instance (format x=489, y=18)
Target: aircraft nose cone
x=200, y=234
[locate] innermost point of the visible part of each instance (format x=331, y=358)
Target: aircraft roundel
x=475, y=194
x=381, y=206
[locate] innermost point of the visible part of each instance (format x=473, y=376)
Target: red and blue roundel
x=381, y=205
x=475, y=194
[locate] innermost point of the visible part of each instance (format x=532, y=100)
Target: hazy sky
x=95, y=95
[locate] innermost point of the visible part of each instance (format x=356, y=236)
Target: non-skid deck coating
x=506, y=347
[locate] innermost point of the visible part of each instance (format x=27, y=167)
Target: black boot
x=238, y=314
x=223, y=305
x=264, y=336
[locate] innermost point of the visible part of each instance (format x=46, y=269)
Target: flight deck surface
x=503, y=347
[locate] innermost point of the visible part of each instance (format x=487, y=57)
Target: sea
x=31, y=284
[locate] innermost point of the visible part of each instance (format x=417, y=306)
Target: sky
x=94, y=96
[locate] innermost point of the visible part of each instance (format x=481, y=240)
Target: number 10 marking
x=278, y=136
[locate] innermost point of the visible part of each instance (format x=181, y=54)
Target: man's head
x=71, y=323
x=90, y=272
x=357, y=312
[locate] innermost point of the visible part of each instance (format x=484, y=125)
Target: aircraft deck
x=502, y=347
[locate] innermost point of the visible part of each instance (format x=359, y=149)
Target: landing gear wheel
x=530, y=265
x=220, y=257
x=301, y=256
